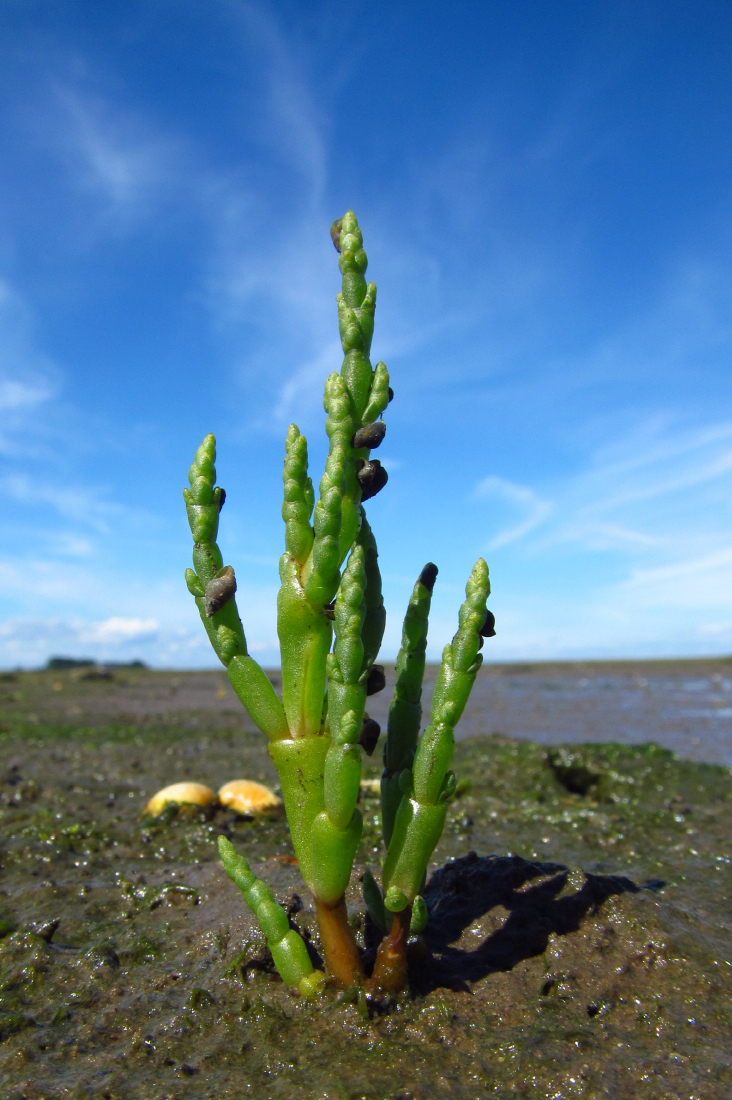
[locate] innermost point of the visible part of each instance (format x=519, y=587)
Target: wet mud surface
x=579, y=942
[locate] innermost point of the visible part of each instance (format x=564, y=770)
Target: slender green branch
x=288, y=948
x=375, y=618
x=337, y=830
x=405, y=712
x=420, y=817
x=297, y=507
x=213, y=585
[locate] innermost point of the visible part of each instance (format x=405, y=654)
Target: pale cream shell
x=196, y=794
x=244, y=796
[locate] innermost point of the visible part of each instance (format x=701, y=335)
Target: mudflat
x=579, y=942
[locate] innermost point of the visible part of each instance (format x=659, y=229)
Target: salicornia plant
x=330, y=626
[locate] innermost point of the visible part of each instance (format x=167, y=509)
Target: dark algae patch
x=579, y=942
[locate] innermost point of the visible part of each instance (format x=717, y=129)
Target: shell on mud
x=191, y=794
x=246, y=797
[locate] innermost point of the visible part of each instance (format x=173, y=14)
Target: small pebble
x=196, y=794
x=246, y=797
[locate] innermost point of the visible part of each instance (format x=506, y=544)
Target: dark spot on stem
x=428, y=576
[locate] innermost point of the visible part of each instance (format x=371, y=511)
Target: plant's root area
x=390, y=974
x=342, y=957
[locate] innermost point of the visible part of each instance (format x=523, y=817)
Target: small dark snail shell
x=335, y=233
x=371, y=435
x=488, y=630
x=428, y=576
x=329, y=610
x=391, y=394
x=376, y=680
x=222, y=498
x=370, y=730
x=372, y=477
x=219, y=590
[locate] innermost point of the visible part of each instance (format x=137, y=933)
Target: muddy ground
x=579, y=944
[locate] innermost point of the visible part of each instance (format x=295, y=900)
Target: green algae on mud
x=129, y=967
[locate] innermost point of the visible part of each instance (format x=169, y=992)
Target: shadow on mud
x=463, y=891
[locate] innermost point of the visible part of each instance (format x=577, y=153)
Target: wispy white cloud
x=118, y=629
x=716, y=628
x=16, y=394
x=28, y=378
x=522, y=499
x=70, y=545
x=300, y=388
x=647, y=528
x=121, y=159
x=656, y=491
x=30, y=382
x=661, y=575
x=80, y=503
x=289, y=121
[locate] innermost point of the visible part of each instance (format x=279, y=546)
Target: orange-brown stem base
x=342, y=959
x=390, y=969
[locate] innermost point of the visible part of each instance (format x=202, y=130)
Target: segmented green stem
x=310, y=568
x=405, y=712
x=337, y=831
x=375, y=618
x=224, y=627
x=288, y=948
x=421, y=814
x=321, y=572
x=203, y=504
x=297, y=507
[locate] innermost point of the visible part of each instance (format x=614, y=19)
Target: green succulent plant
x=330, y=622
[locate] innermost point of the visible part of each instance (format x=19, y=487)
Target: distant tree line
x=61, y=664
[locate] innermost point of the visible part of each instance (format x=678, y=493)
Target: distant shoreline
x=583, y=664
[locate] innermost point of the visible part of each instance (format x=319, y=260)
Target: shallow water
x=685, y=706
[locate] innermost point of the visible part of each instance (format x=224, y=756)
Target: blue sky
x=545, y=190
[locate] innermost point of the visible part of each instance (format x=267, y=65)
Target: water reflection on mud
x=684, y=706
